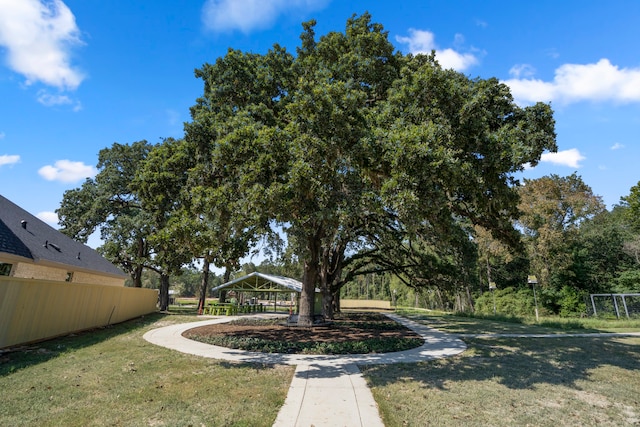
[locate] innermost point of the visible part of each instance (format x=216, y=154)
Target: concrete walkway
x=326, y=390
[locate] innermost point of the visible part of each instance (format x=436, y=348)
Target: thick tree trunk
x=137, y=271
x=336, y=302
x=325, y=288
x=222, y=297
x=331, y=279
x=307, y=296
x=327, y=304
x=204, y=284
x=136, y=276
x=309, y=281
x=164, y=291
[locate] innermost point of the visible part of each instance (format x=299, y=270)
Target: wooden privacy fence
x=34, y=310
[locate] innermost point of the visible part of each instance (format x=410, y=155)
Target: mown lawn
x=113, y=377
x=563, y=381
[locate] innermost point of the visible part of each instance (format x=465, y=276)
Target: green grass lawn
x=561, y=381
x=461, y=324
x=113, y=377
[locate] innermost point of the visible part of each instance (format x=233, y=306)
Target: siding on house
x=43, y=272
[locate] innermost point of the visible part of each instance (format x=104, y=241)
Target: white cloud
x=601, y=81
x=570, y=158
x=2, y=135
x=552, y=53
x=50, y=218
x=248, y=15
x=522, y=70
x=420, y=41
x=49, y=100
x=67, y=171
x=617, y=146
x=38, y=36
x=7, y=159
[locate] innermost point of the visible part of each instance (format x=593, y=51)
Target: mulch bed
x=349, y=327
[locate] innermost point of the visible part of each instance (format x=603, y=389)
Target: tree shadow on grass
x=516, y=363
x=17, y=358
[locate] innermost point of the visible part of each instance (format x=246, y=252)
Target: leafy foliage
x=508, y=301
x=110, y=204
x=368, y=163
x=369, y=159
x=632, y=202
x=553, y=210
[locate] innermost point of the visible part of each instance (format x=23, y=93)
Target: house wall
x=94, y=279
x=42, y=272
x=34, y=310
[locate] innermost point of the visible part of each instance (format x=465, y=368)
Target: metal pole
x=492, y=288
x=593, y=304
x=494, y=302
x=532, y=280
x=535, y=299
x=624, y=303
x=615, y=304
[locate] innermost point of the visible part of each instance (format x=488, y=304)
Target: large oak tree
x=134, y=236
x=349, y=140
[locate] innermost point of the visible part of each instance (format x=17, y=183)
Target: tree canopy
x=109, y=204
x=375, y=167
x=349, y=141
x=553, y=209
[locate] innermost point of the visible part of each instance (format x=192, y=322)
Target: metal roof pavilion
x=260, y=282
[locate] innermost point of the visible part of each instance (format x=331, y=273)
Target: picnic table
x=231, y=309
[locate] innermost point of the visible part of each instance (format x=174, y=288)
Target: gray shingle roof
x=11, y=244
x=25, y=235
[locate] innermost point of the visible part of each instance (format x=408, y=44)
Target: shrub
x=508, y=301
x=571, y=302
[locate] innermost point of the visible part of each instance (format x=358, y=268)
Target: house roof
x=260, y=282
x=24, y=235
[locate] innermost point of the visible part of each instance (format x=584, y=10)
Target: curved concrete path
x=326, y=390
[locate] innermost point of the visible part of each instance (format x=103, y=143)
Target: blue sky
x=77, y=76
